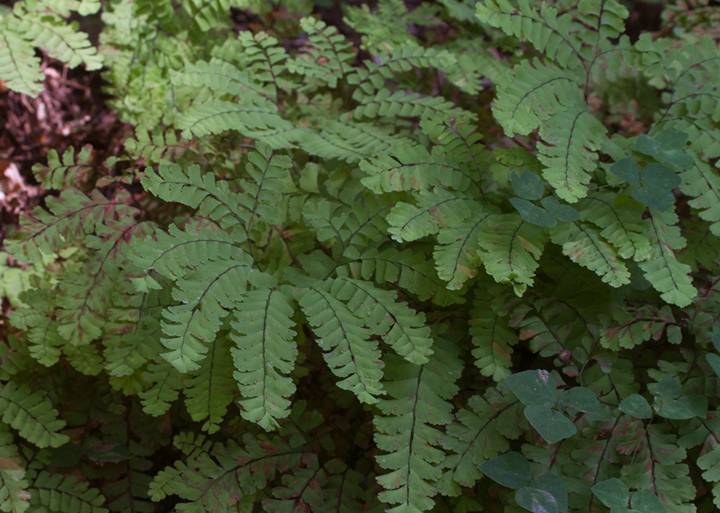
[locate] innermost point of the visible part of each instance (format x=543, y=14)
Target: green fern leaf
x=400, y=326
x=265, y=355
x=328, y=56
x=206, y=14
x=621, y=222
x=569, y=152
x=548, y=32
x=167, y=381
x=434, y=211
x=401, y=104
x=510, y=248
x=19, y=68
x=60, y=39
x=474, y=62
x=348, y=141
x=351, y=353
x=32, y=415
x=55, y=492
x=533, y=93
x=406, y=432
x=662, y=270
x=410, y=271
x=456, y=255
x=481, y=434
x=253, y=117
x=221, y=77
x=493, y=340
x=14, y=497
x=63, y=175
x=210, y=390
x=584, y=246
x=266, y=62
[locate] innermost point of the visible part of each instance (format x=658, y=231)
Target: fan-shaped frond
x=32, y=415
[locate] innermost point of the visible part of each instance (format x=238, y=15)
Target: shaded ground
x=70, y=112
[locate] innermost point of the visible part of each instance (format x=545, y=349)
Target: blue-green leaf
x=553, y=426
x=532, y=213
x=557, y=488
x=627, y=170
x=581, y=399
x=637, y=406
x=657, y=176
x=714, y=361
x=671, y=139
x=646, y=145
x=668, y=387
x=533, y=387
x=528, y=185
x=646, y=501
x=535, y=500
x=652, y=197
x=612, y=492
x=564, y=213
x=511, y=469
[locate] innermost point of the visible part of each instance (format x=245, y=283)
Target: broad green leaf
x=645, y=501
x=564, y=213
x=714, y=361
x=696, y=403
x=612, y=492
x=672, y=409
x=581, y=399
x=627, y=170
x=657, y=176
x=557, y=488
x=668, y=387
x=716, y=341
x=533, y=387
x=637, y=406
x=533, y=214
x=646, y=145
x=535, y=500
x=659, y=199
x=553, y=426
x=527, y=185
x=511, y=469
x=671, y=139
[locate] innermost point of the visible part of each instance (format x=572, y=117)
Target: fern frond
x=474, y=62
x=408, y=168
x=166, y=383
x=492, y=338
x=265, y=355
x=412, y=272
x=584, y=246
x=206, y=14
x=32, y=415
x=401, y=104
x=210, y=389
x=456, y=255
x=206, y=295
x=19, y=68
x=510, y=249
x=482, y=433
x=433, y=211
x=406, y=429
x=72, y=216
x=569, y=151
x=55, y=492
x=253, y=116
x=327, y=58
x=532, y=93
x=14, y=497
x=348, y=141
x=545, y=30
x=266, y=61
x=662, y=270
x=621, y=221
x=63, y=175
x=41, y=331
x=157, y=146
x=60, y=39
x=220, y=77
x=351, y=353
x=400, y=326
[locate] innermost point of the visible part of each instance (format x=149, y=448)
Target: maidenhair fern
x=482, y=244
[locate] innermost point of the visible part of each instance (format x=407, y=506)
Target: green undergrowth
x=450, y=257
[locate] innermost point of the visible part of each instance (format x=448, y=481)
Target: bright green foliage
x=34, y=24
x=461, y=259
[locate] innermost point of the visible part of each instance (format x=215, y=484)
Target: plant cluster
x=332, y=276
